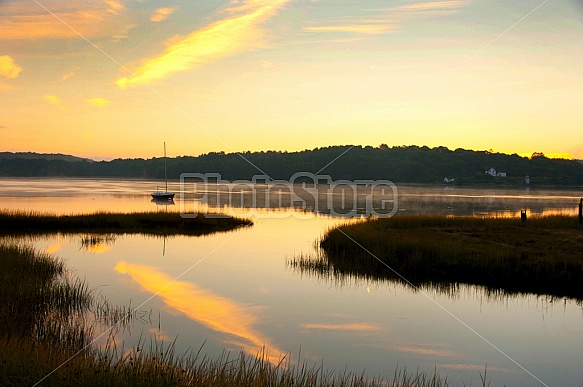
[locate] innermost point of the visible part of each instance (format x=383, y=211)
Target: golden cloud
x=68, y=75
x=52, y=99
x=162, y=14
x=376, y=27
x=432, y=5
x=98, y=101
x=237, y=33
x=236, y=322
x=371, y=29
x=27, y=20
x=8, y=68
x=114, y=6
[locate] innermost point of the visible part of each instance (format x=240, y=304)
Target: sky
x=111, y=79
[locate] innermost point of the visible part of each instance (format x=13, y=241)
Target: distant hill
x=43, y=156
x=400, y=164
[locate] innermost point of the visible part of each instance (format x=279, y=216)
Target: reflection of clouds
x=476, y=367
x=97, y=244
x=426, y=351
x=159, y=335
x=201, y=305
x=53, y=248
x=98, y=248
x=355, y=327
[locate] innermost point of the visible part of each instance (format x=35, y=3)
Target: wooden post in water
x=523, y=217
x=581, y=213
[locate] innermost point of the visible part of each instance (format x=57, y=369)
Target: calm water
x=235, y=290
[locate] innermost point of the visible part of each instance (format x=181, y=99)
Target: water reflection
x=351, y=327
x=318, y=266
x=346, y=321
x=97, y=243
x=163, y=203
x=236, y=322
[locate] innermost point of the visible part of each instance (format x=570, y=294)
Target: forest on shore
x=400, y=164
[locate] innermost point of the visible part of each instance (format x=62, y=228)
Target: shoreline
x=543, y=256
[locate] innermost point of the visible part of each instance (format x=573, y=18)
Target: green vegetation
x=44, y=337
x=541, y=257
x=400, y=164
x=15, y=222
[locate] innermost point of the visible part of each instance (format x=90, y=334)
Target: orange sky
x=113, y=78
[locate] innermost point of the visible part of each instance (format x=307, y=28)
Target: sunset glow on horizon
x=111, y=79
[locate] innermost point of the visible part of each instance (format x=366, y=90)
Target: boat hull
x=163, y=195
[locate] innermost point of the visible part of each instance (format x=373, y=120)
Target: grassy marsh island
x=45, y=337
x=543, y=256
x=18, y=222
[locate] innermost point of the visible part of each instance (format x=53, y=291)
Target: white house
x=492, y=172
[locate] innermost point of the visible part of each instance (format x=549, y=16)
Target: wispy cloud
x=114, y=6
x=52, y=99
x=70, y=74
x=431, y=5
x=98, y=101
x=390, y=23
x=370, y=29
x=8, y=68
x=239, y=31
x=27, y=20
x=162, y=14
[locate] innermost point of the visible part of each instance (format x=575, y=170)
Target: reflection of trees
x=319, y=266
x=96, y=243
x=327, y=269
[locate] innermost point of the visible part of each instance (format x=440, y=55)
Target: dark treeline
x=403, y=164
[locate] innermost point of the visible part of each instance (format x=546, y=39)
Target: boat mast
x=165, y=176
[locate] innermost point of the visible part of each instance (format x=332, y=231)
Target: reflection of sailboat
x=159, y=195
x=163, y=202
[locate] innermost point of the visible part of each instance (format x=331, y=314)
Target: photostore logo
x=304, y=195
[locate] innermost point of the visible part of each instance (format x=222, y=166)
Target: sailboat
x=159, y=195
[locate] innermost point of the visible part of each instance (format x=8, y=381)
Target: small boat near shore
x=163, y=195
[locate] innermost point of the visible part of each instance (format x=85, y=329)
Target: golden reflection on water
x=97, y=248
x=53, y=248
x=201, y=305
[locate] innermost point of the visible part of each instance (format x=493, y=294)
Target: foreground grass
x=544, y=256
x=17, y=222
x=44, y=338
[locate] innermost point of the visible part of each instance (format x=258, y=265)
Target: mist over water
x=237, y=290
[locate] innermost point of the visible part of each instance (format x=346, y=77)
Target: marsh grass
x=45, y=337
x=542, y=257
x=19, y=222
